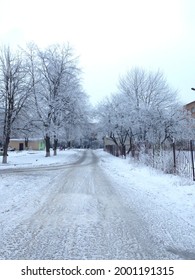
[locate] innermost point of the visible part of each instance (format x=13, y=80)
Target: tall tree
x=14, y=91
x=149, y=98
x=145, y=110
x=57, y=90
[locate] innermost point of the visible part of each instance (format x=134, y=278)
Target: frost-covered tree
x=145, y=110
x=116, y=122
x=148, y=96
x=58, y=95
x=14, y=92
x=147, y=89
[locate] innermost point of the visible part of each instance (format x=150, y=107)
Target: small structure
x=191, y=108
x=27, y=144
x=117, y=150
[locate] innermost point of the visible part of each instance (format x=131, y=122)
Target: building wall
x=19, y=144
x=191, y=107
x=111, y=147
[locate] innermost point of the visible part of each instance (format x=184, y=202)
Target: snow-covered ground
x=22, y=192
x=167, y=202
x=132, y=205
x=37, y=158
x=172, y=192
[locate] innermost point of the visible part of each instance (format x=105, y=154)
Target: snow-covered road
x=82, y=212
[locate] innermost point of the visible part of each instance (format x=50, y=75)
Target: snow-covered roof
x=29, y=139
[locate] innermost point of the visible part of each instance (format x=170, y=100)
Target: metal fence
x=171, y=157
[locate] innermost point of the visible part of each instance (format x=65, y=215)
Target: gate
x=183, y=158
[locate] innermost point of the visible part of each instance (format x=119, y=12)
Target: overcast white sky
x=111, y=37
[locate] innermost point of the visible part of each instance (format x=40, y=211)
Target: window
x=193, y=110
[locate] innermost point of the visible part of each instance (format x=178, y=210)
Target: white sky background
x=111, y=37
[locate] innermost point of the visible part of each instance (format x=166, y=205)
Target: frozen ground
x=27, y=159
x=87, y=204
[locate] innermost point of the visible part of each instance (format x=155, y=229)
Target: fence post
x=192, y=158
x=174, y=157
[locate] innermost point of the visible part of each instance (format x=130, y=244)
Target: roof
x=29, y=139
x=193, y=102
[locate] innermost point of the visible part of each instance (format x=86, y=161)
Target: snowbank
x=37, y=158
x=177, y=194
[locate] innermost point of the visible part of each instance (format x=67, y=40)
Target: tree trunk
x=47, y=145
x=47, y=154
x=26, y=143
x=124, y=151
x=55, y=146
x=5, y=150
x=4, y=159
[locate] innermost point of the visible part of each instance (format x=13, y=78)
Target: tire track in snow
x=83, y=217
